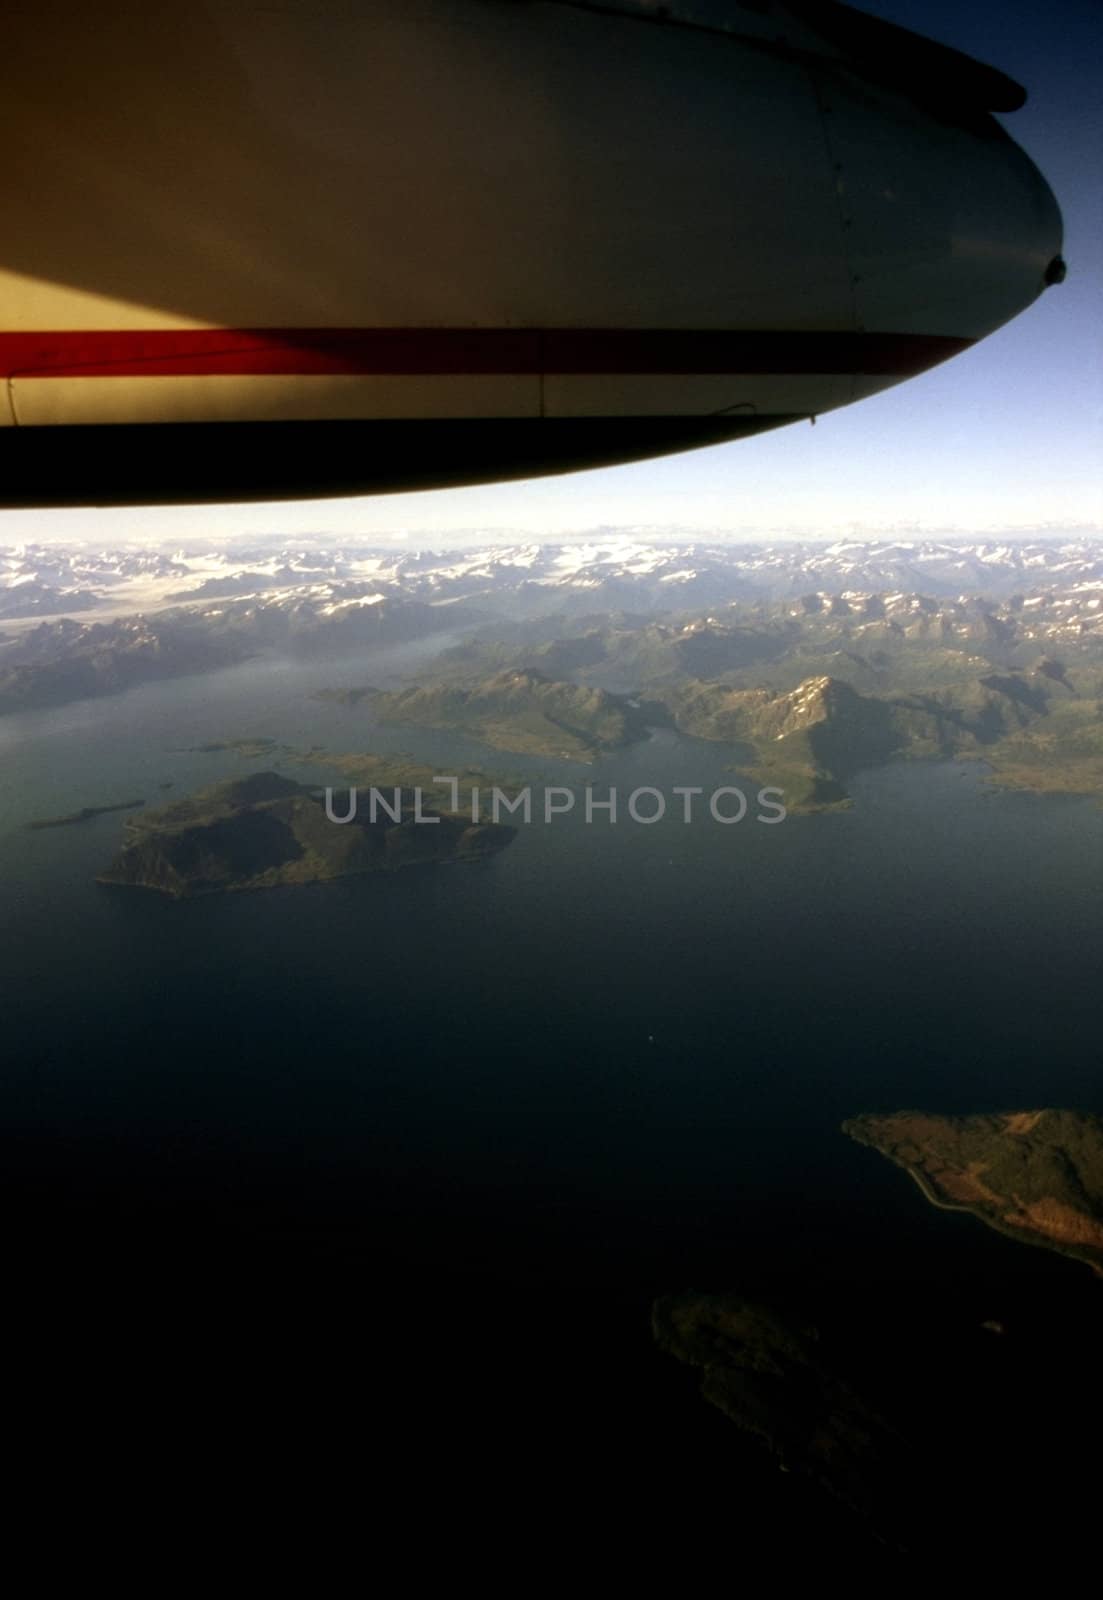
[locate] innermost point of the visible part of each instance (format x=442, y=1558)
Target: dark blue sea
x=427, y=1146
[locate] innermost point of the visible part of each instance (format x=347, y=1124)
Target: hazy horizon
x=257, y=529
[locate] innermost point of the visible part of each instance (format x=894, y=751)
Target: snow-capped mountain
x=78, y=622
x=606, y=573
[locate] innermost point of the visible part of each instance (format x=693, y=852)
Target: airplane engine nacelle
x=358, y=245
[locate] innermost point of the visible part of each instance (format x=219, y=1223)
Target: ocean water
x=455, y=1129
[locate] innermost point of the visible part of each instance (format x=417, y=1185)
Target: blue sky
x=1007, y=437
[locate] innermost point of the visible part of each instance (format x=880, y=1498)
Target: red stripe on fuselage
x=258, y=352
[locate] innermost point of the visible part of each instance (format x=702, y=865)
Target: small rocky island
x=780, y=1382
x=266, y=831
x=1034, y=1175
x=86, y=813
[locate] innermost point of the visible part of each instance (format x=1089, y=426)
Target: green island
x=806, y=742
x=85, y=814
x=519, y=709
x=266, y=831
x=802, y=1394
x=1036, y=1176
x=1061, y=753
x=366, y=770
x=253, y=749
x=792, y=1391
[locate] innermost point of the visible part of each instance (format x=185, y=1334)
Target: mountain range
x=810, y=660
x=532, y=579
